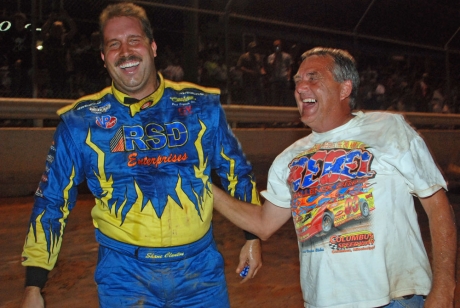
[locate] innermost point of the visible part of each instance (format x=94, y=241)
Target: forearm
x=244, y=215
x=263, y=221
x=444, y=244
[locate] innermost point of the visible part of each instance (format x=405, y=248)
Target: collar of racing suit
x=136, y=105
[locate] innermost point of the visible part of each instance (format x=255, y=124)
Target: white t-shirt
x=351, y=191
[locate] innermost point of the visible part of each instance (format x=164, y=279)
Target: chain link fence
x=206, y=39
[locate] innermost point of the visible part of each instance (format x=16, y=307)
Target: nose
x=125, y=49
x=302, y=86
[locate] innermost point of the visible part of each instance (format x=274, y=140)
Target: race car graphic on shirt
x=313, y=216
x=330, y=187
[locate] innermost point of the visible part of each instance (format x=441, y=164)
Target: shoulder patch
x=87, y=101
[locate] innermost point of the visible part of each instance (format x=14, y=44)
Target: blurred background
x=407, y=51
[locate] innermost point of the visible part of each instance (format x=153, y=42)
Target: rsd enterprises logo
x=106, y=121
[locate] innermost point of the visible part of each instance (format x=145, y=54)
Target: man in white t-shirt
x=349, y=188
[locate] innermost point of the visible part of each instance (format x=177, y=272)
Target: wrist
x=36, y=276
x=32, y=289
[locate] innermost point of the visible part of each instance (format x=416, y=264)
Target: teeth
x=129, y=64
x=309, y=100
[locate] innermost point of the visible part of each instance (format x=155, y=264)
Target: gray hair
x=344, y=68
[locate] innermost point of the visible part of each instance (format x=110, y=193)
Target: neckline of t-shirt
x=356, y=116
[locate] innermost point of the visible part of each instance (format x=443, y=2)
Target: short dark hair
x=344, y=68
x=128, y=10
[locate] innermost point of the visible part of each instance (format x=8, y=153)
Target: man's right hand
x=32, y=298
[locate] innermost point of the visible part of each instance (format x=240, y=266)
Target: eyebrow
x=130, y=36
x=310, y=74
x=135, y=36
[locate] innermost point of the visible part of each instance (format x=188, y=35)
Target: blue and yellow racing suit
x=148, y=163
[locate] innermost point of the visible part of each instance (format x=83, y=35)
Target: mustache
x=127, y=59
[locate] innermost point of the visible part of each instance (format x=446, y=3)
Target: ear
x=102, y=56
x=154, y=48
x=345, y=89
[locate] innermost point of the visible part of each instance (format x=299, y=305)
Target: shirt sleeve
x=54, y=199
x=277, y=191
x=231, y=165
x=416, y=163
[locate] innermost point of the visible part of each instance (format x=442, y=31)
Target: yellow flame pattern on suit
x=37, y=234
x=231, y=175
x=233, y=179
x=142, y=226
x=199, y=170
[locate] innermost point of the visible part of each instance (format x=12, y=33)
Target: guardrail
x=42, y=109
x=24, y=149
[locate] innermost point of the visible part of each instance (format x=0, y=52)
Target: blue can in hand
x=245, y=271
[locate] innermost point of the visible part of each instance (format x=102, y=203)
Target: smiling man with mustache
x=146, y=147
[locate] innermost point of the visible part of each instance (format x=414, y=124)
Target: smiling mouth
x=309, y=101
x=129, y=64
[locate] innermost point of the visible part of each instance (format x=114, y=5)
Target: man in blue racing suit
x=146, y=147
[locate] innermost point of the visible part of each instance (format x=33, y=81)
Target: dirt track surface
x=71, y=282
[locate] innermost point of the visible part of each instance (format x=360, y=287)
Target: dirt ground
x=71, y=282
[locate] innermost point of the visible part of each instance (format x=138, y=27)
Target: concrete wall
x=22, y=159
x=23, y=152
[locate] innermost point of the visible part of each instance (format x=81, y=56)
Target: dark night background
x=372, y=30
x=429, y=23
